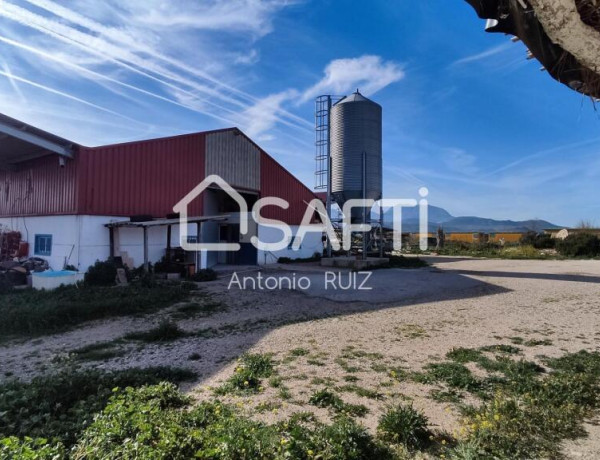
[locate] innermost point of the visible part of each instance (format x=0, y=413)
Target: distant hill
x=440, y=217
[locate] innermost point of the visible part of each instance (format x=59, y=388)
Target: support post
x=169, y=243
x=146, y=261
x=381, y=238
x=198, y=240
x=111, y=233
x=364, y=186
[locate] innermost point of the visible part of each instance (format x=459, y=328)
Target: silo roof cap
x=356, y=97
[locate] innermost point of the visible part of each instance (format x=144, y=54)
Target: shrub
x=404, y=425
x=250, y=371
x=30, y=449
x=32, y=312
x=166, y=331
x=101, y=274
x=328, y=399
x=204, y=275
x=61, y=405
x=579, y=245
x=154, y=422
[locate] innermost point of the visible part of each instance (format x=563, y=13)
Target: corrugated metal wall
x=39, y=187
x=148, y=177
x=235, y=158
x=277, y=181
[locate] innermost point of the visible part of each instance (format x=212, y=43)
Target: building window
x=191, y=239
x=43, y=245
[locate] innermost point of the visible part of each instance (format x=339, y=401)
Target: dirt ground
x=409, y=319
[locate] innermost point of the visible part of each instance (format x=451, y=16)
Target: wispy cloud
x=483, y=55
x=370, y=73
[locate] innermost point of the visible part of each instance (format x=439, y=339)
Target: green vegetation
x=328, y=399
x=30, y=312
x=287, y=260
x=157, y=422
x=526, y=412
x=404, y=425
x=248, y=375
x=198, y=309
x=166, y=331
x=204, y=275
x=403, y=262
x=492, y=250
x=522, y=412
x=99, y=351
x=579, y=245
x=60, y=406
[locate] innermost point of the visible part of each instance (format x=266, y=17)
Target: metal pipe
x=329, y=164
x=364, y=187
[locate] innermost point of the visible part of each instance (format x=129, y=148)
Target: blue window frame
x=43, y=245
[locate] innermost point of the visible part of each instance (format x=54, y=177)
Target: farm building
x=73, y=205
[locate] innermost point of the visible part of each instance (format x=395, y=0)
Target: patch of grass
x=101, y=351
x=315, y=362
x=166, y=331
x=296, y=352
x=157, y=422
x=351, y=378
x=62, y=405
x=404, y=425
x=517, y=340
x=502, y=348
x=411, y=331
x=379, y=367
x=350, y=369
x=455, y=375
x=447, y=396
x=322, y=381
x=538, y=343
x=199, y=309
x=250, y=371
x=29, y=312
x=328, y=399
x=464, y=355
x=360, y=391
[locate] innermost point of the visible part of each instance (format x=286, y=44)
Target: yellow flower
x=283, y=441
x=496, y=417
x=246, y=383
x=443, y=442
x=310, y=452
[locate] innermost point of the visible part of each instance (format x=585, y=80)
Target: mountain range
x=439, y=217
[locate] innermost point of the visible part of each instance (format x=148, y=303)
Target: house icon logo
x=182, y=209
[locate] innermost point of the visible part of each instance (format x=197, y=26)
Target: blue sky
x=465, y=113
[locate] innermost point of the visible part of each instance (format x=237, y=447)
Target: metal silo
x=356, y=153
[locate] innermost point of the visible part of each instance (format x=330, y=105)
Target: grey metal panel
x=356, y=128
x=232, y=156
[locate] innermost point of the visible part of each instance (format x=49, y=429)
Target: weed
x=250, y=371
x=404, y=425
x=411, y=331
x=361, y=391
x=538, y=342
x=328, y=399
x=30, y=312
x=195, y=357
x=101, y=351
x=166, y=331
x=299, y=352
x=61, y=405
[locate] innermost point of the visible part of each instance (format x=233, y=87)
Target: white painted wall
x=81, y=240
x=311, y=243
